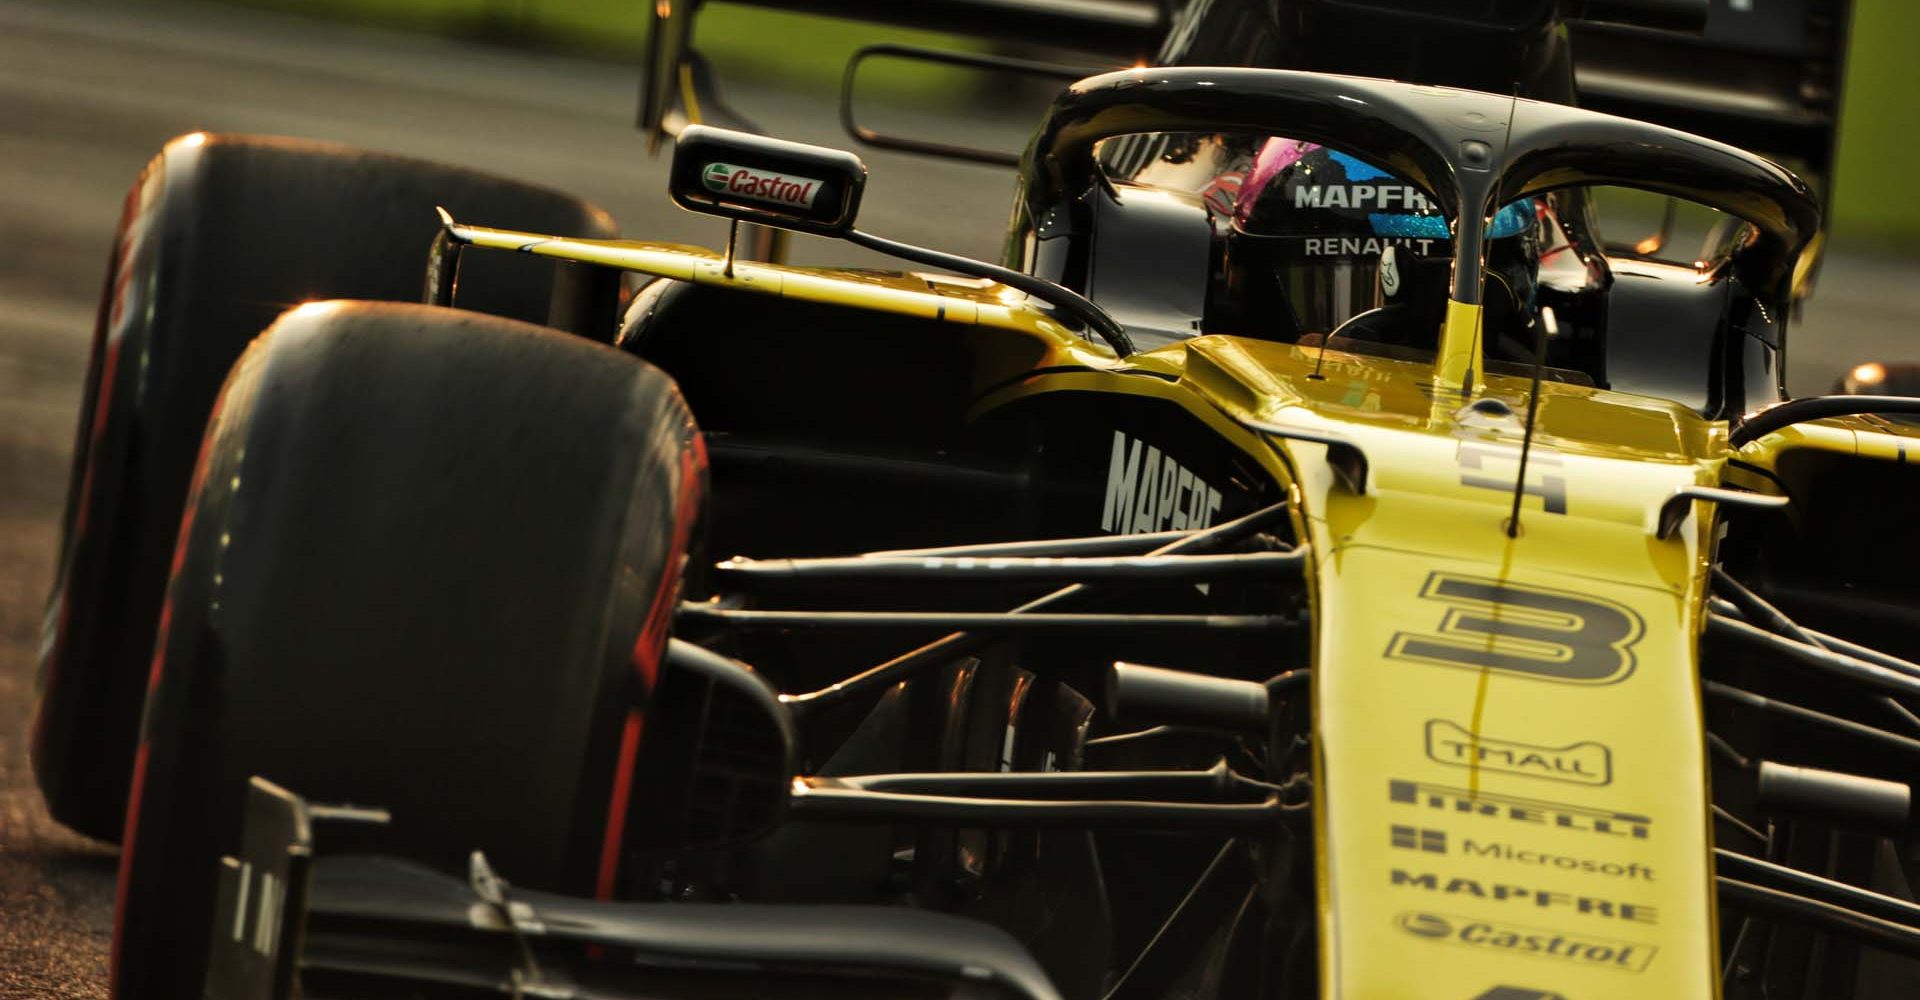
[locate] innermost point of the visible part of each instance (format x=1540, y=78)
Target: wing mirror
x=773, y=182
x=813, y=189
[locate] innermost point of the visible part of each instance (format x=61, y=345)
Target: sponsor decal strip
x=1377, y=196
x=1584, y=950
x=1148, y=491
x=761, y=185
x=1429, y=841
x=1582, y=763
x=1605, y=822
x=1544, y=899
x=1357, y=246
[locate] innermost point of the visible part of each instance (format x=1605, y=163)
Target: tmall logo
x=1583, y=763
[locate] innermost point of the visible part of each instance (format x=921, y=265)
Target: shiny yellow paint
x=1041, y=341
x=1867, y=438
x=689, y=94
x=1375, y=554
x=1808, y=264
x=1864, y=436
x=1458, y=358
x=1605, y=849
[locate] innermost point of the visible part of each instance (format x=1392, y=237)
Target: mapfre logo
x=1148, y=491
x=1515, y=939
x=1378, y=197
x=760, y=185
x=1598, y=907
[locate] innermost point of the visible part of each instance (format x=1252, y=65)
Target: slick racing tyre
x=218, y=236
x=428, y=564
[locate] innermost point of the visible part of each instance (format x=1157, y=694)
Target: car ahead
x=1312, y=563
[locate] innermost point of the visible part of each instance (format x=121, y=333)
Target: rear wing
x=675, y=77
x=1764, y=75
x=678, y=87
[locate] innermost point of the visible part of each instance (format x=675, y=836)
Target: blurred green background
x=1877, y=202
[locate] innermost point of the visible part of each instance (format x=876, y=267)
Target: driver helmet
x=1319, y=237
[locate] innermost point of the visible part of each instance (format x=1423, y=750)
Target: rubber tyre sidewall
x=217, y=236
x=429, y=564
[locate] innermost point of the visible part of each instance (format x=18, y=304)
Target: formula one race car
x=1319, y=561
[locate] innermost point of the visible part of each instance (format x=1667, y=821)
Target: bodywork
x=1507, y=591
x=1510, y=772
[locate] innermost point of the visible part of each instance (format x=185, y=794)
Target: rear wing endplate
x=1764, y=75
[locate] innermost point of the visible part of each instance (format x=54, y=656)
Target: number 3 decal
x=1547, y=634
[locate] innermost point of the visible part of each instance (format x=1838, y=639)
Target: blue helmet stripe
x=1509, y=221
x=1356, y=168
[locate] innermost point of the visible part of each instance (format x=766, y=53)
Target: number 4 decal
x=1551, y=635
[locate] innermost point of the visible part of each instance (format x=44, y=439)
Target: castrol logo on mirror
x=760, y=185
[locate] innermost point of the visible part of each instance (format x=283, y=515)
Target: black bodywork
x=1010, y=848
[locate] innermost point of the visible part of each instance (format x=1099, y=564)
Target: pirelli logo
x=1512, y=808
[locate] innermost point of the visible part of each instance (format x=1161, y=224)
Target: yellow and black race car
x=1317, y=561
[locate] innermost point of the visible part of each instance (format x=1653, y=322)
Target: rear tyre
x=218, y=236
x=429, y=564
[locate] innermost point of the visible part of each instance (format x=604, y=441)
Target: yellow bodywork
x=1458, y=357
x=1538, y=818
x=1511, y=779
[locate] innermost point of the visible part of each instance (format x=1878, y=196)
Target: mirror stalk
x=1073, y=304
x=744, y=177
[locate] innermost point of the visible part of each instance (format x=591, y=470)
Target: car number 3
x=1536, y=632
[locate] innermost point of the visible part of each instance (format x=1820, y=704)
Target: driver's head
x=1320, y=237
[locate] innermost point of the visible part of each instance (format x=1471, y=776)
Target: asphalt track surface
x=88, y=91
